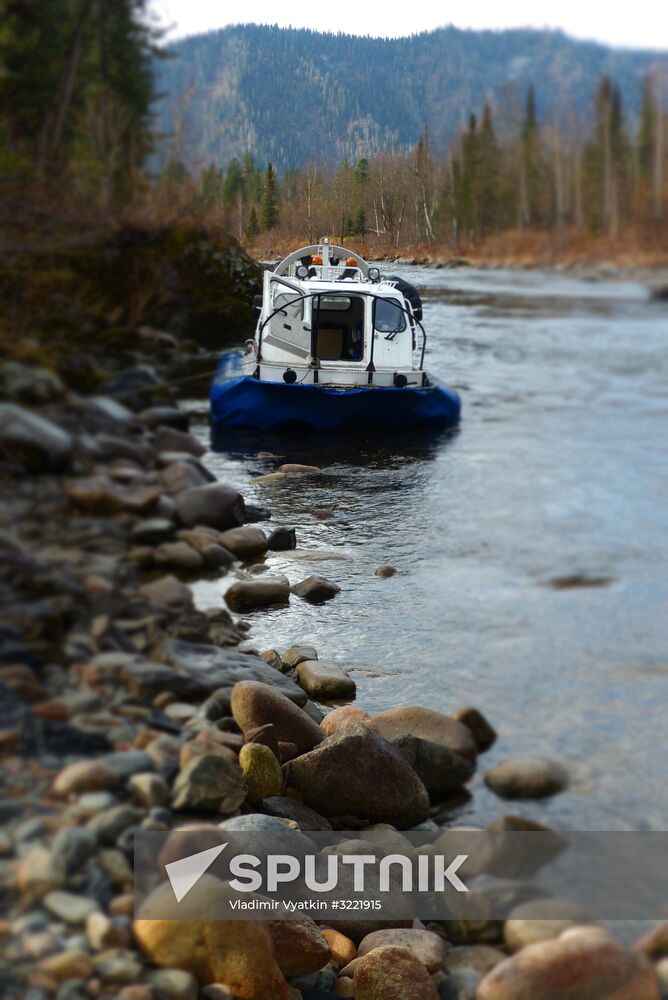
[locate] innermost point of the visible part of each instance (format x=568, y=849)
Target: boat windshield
x=388, y=316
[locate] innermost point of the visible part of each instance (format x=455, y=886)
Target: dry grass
x=635, y=247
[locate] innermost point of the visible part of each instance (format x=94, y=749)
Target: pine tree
x=531, y=168
x=424, y=169
x=468, y=184
x=606, y=159
x=269, y=210
x=488, y=174
x=647, y=131
x=359, y=224
x=233, y=185
x=253, y=227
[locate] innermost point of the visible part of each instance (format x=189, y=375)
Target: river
x=531, y=543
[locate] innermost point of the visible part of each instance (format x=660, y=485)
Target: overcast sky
x=642, y=23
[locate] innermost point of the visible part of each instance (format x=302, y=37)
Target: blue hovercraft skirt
x=244, y=401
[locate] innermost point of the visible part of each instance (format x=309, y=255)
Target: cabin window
x=388, y=316
x=335, y=303
x=286, y=301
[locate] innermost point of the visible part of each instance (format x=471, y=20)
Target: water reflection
x=355, y=446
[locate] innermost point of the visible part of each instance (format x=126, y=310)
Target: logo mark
x=186, y=872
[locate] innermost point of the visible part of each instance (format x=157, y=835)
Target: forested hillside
x=294, y=96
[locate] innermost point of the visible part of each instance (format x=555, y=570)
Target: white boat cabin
x=328, y=318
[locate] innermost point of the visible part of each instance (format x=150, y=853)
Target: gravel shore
x=123, y=706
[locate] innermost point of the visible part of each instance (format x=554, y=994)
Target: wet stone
x=316, y=589
x=248, y=595
x=254, y=513
x=527, y=778
x=282, y=539
x=325, y=681
x=295, y=655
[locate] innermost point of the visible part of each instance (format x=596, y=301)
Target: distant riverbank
x=630, y=254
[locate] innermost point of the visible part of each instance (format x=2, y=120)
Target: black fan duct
x=409, y=292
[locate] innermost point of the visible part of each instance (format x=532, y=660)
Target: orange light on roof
x=317, y=259
x=351, y=262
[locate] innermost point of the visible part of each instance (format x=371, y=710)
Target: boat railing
x=413, y=322
x=321, y=248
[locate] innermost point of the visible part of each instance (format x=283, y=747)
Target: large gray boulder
x=214, y=669
x=216, y=506
x=32, y=441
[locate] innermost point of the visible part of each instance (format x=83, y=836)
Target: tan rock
x=541, y=920
x=294, y=468
x=344, y=717
x=237, y=954
x=84, y=776
x=531, y=777
x=40, y=871
x=149, y=789
x=392, y=974
x=74, y=964
x=426, y=725
x=581, y=965
x=342, y=948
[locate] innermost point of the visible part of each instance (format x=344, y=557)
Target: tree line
x=77, y=103
x=601, y=179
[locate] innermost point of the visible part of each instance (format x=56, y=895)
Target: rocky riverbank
x=123, y=706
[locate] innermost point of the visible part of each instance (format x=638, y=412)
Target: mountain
x=295, y=95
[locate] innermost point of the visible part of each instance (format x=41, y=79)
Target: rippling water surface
x=557, y=477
